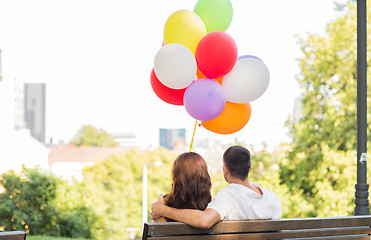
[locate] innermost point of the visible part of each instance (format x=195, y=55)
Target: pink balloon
x=204, y=99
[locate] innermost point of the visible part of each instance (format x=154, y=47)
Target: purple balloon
x=248, y=56
x=204, y=99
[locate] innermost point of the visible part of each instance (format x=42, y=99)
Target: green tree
x=41, y=204
x=328, y=79
x=334, y=183
x=91, y=136
x=266, y=173
x=114, y=188
x=75, y=217
x=27, y=202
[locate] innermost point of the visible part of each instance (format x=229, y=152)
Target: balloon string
x=194, y=131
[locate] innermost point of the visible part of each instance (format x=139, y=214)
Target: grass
x=51, y=238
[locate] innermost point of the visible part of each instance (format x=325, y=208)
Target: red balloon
x=216, y=54
x=166, y=94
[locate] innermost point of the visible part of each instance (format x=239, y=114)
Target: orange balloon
x=233, y=118
x=201, y=75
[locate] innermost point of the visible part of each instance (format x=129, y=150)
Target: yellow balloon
x=184, y=27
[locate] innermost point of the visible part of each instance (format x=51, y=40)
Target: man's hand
x=156, y=207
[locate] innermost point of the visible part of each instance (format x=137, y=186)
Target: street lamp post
x=145, y=190
x=145, y=194
x=361, y=194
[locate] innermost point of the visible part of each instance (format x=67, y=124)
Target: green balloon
x=216, y=14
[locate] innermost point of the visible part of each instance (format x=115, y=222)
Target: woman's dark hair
x=191, y=183
x=237, y=160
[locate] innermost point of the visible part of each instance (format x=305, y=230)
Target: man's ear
x=225, y=173
x=250, y=168
x=225, y=170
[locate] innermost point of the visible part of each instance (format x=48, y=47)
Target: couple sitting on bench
x=190, y=199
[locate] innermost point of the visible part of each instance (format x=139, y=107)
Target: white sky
x=96, y=57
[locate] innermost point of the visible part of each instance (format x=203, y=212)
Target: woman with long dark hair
x=191, y=184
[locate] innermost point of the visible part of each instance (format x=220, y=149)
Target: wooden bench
x=352, y=227
x=13, y=235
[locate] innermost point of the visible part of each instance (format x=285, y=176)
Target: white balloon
x=247, y=81
x=175, y=66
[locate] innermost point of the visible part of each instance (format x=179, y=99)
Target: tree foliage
x=91, y=136
x=329, y=101
x=27, y=202
x=114, y=188
x=32, y=202
x=332, y=183
x=76, y=218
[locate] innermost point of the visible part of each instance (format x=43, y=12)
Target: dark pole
x=361, y=200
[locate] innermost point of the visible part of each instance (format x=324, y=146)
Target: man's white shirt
x=237, y=202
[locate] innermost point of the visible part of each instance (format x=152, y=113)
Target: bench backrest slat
x=356, y=237
x=12, y=235
x=247, y=237
x=281, y=234
x=331, y=227
x=174, y=229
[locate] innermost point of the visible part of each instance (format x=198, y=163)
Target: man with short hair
x=240, y=200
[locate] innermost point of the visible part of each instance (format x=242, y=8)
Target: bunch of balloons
x=198, y=66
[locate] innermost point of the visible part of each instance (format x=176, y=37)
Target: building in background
x=69, y=161
x=17, y=147
x=127, y=139
x=173, y=138
x=34, y=109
